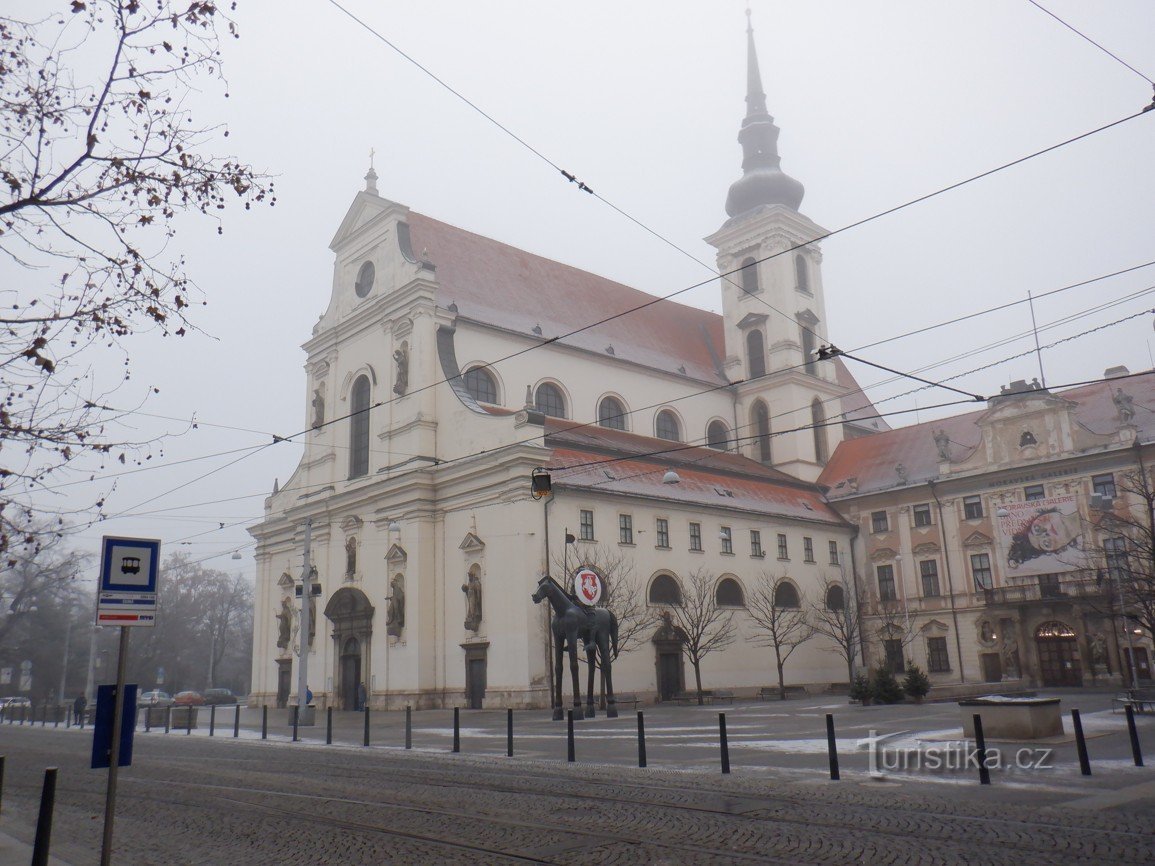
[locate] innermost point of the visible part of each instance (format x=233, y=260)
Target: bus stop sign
x=128, y=572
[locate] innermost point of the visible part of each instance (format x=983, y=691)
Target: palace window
x=625, y=529
x=928, y=571
x=586, y=525
x=981, y=572
x=833, y=552
x=727, y=540
x=807, y=549
x=972, y=507
x=786, y=595
x=729, y=593
x=922, y=515
x=756, y=543
x=549, y=400
x=612, y=414
x=885, y=574
x=895, y=658
x=666, y=426
x=783, y=552
x=878, y=521
x=937, y=657
x=835, y=598
x=663, y=532
x=1033, y=492
x=1104, y=485
x=480, y=385
x=695, y=536
x=665, y=590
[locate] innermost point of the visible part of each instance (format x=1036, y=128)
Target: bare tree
x=100, y=158
x=706, y=626
x=624, y=595
x=837, y=616
x=1128, y=549
x=776, y=610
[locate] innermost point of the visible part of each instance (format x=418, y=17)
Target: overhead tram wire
x=1083, y=35
x=726, y=274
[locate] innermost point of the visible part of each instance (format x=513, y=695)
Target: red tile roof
x=617, y=462
x=871, y=460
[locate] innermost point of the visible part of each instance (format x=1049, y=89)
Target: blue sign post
x=102, y=727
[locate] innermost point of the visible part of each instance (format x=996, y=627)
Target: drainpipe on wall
x=962, y=677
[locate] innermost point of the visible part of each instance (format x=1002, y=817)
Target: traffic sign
x=128, y=576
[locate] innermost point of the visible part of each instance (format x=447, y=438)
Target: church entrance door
x=1058, y=650
x=669, y=675
x=350, y=673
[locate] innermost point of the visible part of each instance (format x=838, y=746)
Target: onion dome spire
x=762, y=182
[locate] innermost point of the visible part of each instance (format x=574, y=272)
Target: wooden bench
x=628, y=698
x=767, y=692
x=1139, y=700
x=709, y=696
x=723, y=696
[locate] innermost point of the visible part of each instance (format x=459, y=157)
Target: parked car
x=219, y=696
x=155, y=698
x=188, y=699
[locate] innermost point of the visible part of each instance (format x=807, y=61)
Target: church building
x=683, y=446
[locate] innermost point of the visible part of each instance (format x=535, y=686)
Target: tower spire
x=763, y=182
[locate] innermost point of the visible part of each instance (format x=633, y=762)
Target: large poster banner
x=1044, y=536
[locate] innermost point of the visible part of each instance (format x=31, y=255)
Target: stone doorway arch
x=351, y=614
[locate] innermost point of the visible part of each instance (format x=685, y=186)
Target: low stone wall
x=1013, y=718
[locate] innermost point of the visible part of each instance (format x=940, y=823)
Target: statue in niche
x=351, y=556
x=942, y=443
x=472, y=590
x=1124, y=405
x=395, y=612
x=318, y=408
x=1011, y=658
x=284, y=623
x=1098, y=650
x=401, y=359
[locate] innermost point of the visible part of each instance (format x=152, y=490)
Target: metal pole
x=2, y=758
x=237, y=722
x=1035, y=329
x=724, y=743
x=88, y=683
x=329, y=726
x=832, y=747
x=981, y=747
x=509, y=732
x=1136, y=752
x=44, y=820
x=569, y=755
x=212, y=720
x=264, y=721
x=114, y=751
x=303, y=632
x=365, y=739
x=456, y=730
x=641, y=740
x=1081, y=744
x=408, y=727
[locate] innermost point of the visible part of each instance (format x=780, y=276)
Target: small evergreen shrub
x=885, y=687
x=916, y=684
x=860, y=689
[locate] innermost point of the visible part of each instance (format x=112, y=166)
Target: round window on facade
x=364, y=282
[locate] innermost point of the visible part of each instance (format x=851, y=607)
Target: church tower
x=772, y=303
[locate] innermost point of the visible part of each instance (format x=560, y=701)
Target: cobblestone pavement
x=192, y=800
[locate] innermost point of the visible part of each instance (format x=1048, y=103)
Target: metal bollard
x=264, y=721
x=167, y=719
x=212, y=720
x=365, y=738
x=296, y=713
x=408, y=727
x=832, y=748
x=981, y=749
x=237, y=722
x=641, y=740
x=724, y=743
x=509, y=732
x=456, y=730
x=1081, y=744
x=1136, y=753
x=2, y=758
x=569, y=756
x=44, y=820
x=329, y=726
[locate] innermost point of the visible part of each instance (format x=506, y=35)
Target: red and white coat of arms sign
x=587, y=585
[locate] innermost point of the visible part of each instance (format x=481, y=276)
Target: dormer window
x=365, y=277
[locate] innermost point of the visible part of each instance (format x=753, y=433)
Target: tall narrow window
x=663, y=532
x=666, y=426
x=549, y=400
x=359, y=428
x=750, y=277
x=480, y=385
x=937, y=656
x=727, y=539
x=818, y=419
x=928, y=571
x=886, y=590
x=717, y=436
x=625, y=529
x=809, y=345
x=807, y=549
x=586, y=523
x=612, y=414
x=756, y=543
x=760, y=416
x=981, y=571
x=695, y=536
x=833, y=552
x=801, y=274
x=783, y=550
x=756, y=354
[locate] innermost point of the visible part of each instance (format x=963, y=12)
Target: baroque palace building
x=448, y=367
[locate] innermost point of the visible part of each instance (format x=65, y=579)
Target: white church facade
x=448, y=367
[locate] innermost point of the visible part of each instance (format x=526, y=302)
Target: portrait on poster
x=1044, y=536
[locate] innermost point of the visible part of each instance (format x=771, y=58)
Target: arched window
x=729, y=593
x=665, y=590
x=755, y=354
x=480, y=385
x=801, y=273
x=760, y=419
x=750, y=277
x=717, y=435
x=666, y=426
x=786, y=595
x=359, y=428
x=818, y=419
x=835, y=598
x=809, y=345
x=549, y=400
x=612, y=414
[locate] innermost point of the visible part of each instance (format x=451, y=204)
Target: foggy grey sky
x=878, y=103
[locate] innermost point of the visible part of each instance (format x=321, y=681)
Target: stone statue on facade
x=1011, y=658
x=318, y=408
x=395, y=612
x=401, y=359
x=472, y=590
x=351, y=556
x=942, y=443
x=284, y=623
x=1124, y=405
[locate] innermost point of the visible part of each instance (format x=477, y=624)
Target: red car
x=188, y=699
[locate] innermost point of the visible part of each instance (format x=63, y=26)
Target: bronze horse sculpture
x=597, y=628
